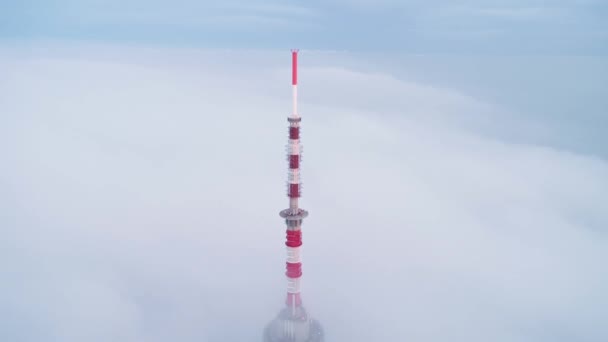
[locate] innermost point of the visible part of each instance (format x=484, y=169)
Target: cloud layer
x=141, y=203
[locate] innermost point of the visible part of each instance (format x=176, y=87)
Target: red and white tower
x=293, y=323
x=294, y=214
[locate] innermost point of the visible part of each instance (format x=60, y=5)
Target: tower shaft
x=293, y=324
x=294, y=214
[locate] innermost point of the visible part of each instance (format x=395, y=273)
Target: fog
x=141, y=189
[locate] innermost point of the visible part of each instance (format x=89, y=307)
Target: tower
x=293, y=322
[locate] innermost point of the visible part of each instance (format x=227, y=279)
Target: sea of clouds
x=140, y=191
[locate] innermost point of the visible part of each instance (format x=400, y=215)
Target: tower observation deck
x=293, y=323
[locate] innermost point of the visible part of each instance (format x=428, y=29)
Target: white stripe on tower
x=293, y=255
x=295, y=100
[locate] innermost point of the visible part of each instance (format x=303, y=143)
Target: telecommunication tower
x=293, y=322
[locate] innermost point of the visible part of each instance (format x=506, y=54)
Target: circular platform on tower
x=288, y=214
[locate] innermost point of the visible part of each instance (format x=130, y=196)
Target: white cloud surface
x=141, y=203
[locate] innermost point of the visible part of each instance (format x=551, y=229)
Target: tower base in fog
x=293, y=326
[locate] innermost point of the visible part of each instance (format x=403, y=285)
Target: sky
x=456, y=185
x=572, y=27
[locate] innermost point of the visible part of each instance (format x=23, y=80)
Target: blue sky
x=491, y=27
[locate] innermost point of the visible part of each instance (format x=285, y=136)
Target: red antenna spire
x=294, y=67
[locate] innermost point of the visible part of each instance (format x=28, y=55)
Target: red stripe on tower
x=294, y=270
x=294, y=161
x=294, y=133
x=294, y=238
x=294, y=190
